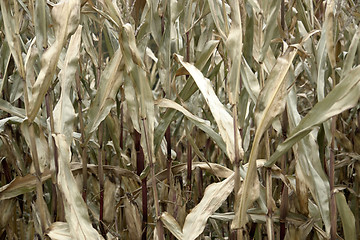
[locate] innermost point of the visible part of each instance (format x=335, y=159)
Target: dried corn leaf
x=214, y=195
x=66, y=17
x=64, y=113
x=111, y=79
x=345, y=95
x=170, y=223
x=347, y=216
x=76, y=212
x=200, y=123
x=271, y=103
x=220, y=113
x=133, y=220
x=59, y=231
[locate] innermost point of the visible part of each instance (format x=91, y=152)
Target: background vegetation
x=185, y=119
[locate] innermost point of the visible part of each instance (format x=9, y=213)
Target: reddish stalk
x=83, y=146
x=56, y=156
x=189, y=166
x=140, y=165
x=159, y=225
x=284, y=195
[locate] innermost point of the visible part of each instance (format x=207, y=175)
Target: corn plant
x=179, y=119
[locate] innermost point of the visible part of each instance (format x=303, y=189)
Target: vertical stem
x=83, y=147
x=169, y=160
x=188, y=46
x=49, y=113
x=284, y=194
x=101, y=179
x=333, y=214
x=269, y=197
x=282, y=9
x=159, y=225
x=100, y=138
x=189, y=167
x=269, y=219
x=140, y=165
x=283, y=207
x=122, y=120
x=237, y=183
x=39, y=189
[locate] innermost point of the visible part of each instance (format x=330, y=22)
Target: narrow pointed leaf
x=220, y=113
x=347, y=216
x=271, y=103
x=110, y=81
x=76, y=212
x=345, y=95
x=200, y=123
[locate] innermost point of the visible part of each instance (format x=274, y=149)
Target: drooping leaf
x=66, y=17
x=170, y=223
x=345, y=95
x=309, y=168
x=186, y=92
x=214, y=195
x=133, y=219
x=329, y=26
x=200, y=123
x=21, y=185
x=41, y=23
x=221, y=115
x=59, y=231
x=76, y=212
x=234, y=46
x=12, y=35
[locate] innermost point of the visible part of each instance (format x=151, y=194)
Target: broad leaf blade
x=66, y=17
x=76, y=212
x=345, y=95
x=170, y=223
x=215, y=194
x=64, y=113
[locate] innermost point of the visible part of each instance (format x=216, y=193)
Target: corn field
x=179, y=119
